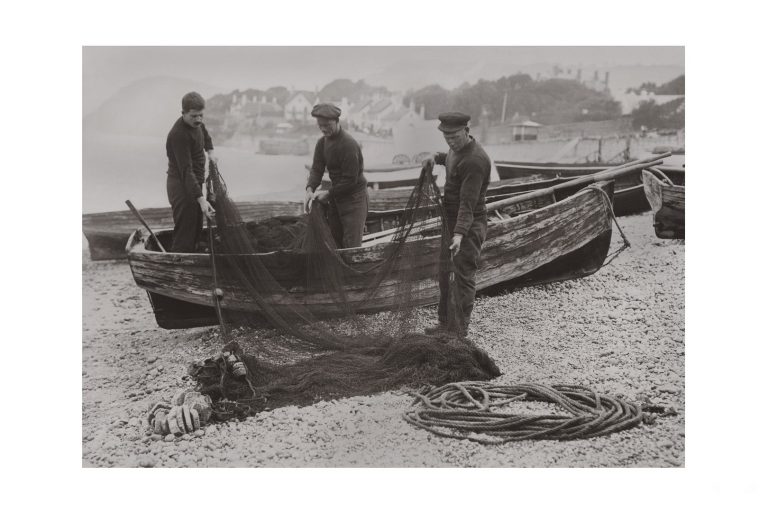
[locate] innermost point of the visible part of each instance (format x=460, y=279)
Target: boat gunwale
x=136, y=248
x=652, y=175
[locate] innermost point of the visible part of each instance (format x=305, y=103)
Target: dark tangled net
x=313, y=293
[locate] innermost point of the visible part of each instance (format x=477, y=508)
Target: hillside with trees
x=353, y=91
x=676, y=86
x=549, y=101
x=661, y=116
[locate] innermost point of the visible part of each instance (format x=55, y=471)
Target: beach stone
x=147, y=462
x=151, y=359
x=169, y=438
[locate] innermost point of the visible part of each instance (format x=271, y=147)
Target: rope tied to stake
x=624, y=238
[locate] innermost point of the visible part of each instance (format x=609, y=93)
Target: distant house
x=377, y=111
x=298, y=108
x=358, y=112
x=400, y=116
x=263, y=114
x=523, y=128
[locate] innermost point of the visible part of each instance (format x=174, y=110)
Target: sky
x=107, y=69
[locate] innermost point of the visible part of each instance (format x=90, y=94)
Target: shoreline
x=620, y=331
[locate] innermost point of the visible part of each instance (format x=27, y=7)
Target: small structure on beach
x=523, y=128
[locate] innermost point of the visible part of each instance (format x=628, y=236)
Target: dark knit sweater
x=467, y=173
x=342, y=156
x=186, y=146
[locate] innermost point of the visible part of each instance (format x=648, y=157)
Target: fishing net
x=351, y=313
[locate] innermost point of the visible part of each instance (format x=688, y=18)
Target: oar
x=663, y=176
x=606, y=175
x=141, y=219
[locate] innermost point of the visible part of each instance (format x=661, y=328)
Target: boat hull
x=532, y=171
x=668, y=204
x=107, y=233
x=564, y=240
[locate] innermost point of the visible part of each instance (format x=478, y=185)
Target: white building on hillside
x=298, y=108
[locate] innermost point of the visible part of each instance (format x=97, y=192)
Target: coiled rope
x=471, y=410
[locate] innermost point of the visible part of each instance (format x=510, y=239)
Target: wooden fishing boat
x=629, y=197
x=108, y=232
x=386, y=176
x=543, y=236
x=665, y=190
x=532, y=171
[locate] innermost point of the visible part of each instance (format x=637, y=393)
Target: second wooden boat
x=666, y=194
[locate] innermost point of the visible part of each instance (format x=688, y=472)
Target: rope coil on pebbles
x=465, y=410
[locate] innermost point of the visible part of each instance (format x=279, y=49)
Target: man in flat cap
x=468, y=171
x=186, y=146
x=347, y=198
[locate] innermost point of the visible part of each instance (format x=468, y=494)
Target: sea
x=120, y=167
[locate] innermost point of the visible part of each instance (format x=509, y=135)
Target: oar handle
x=606, y=175
x=144, y=223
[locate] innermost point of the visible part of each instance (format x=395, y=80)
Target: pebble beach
x=620, y=331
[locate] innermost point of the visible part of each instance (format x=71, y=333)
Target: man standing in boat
x=468, y=171
x=347, y=198
x=186, y=146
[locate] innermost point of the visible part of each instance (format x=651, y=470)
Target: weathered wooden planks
x=516, y=249
x=107, y=232
x=545, y=170
x=667, y=201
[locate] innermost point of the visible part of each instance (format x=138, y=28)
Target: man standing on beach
x=468, y=171
x=186, y=145
x=347, y=198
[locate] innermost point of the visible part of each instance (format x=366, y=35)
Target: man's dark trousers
x=461, y=300
x=187, y=217
x=346, y=218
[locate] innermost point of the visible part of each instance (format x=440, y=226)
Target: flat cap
x=452, y=121
x=326, y=110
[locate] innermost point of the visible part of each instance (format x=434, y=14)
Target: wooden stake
x=144, y=223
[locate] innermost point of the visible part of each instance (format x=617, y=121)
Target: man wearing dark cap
x=347, y=198
x=468, y=171
x=186, y=145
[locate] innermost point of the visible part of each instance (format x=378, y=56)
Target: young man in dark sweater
x=347, y=198
x=467, y=173
x=186, y=145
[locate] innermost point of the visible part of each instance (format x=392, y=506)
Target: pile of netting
x=354, y=310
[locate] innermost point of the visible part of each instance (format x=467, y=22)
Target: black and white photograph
x=384, y=257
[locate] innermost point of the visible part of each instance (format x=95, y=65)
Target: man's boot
x=441, y=327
